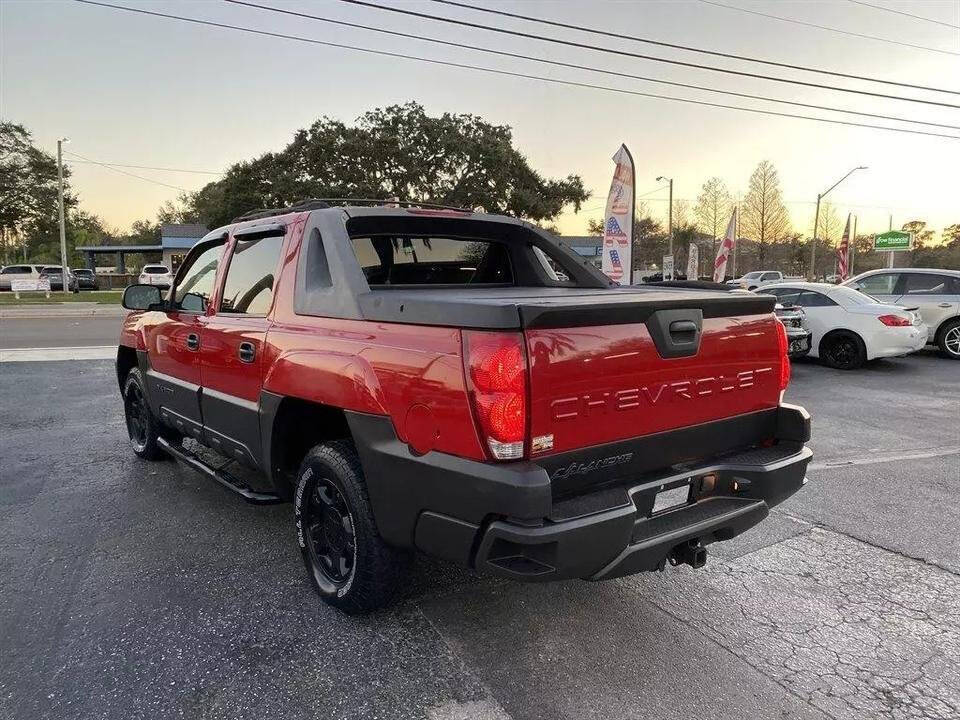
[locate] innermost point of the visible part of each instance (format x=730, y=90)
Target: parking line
x=90, y=352
x=874, y=459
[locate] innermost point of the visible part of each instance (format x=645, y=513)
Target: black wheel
x=142, y=427
x=948, y=339
x=349, y=564
x=843, y=351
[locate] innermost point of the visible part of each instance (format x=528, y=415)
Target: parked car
x=55, y=273
x=759, y=278
x=9, y=273
x=158, y=275
x=936, y=293
x=848, y=327
x=87, y=279
x=798, y=337
x=418, y=379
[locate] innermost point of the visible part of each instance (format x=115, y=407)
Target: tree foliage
x=763, y=216
x=713, y=210
x=397, y=151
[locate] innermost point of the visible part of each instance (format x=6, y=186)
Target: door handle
x=246, y=352
x=944, y=305
x=193, y=341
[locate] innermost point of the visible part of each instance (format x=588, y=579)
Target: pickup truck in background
x=423, y=379
x=759, y=278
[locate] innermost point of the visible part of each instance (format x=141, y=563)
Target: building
x=176, y=241
x=586, y=246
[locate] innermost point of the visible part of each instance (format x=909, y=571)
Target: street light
x=63, y=222
x=816, y=221
x=669, y=212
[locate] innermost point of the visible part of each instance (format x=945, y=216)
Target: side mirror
x=141, y=297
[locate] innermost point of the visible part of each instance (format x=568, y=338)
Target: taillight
x=895, y=320
x=783, y=347
x=497, y=381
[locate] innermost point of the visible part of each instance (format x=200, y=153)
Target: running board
x=221, y=476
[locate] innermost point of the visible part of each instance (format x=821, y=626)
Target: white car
x=158, y=275
x=936, y=293
x=848, y=327
x=9, y=273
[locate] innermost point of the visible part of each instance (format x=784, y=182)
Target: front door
x=232, y=349
x=173, y=343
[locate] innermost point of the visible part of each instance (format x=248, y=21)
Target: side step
x=221, y=476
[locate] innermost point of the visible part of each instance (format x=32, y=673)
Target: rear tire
x=348, y=563
x=143, y=428
x=843, y=350
x=948, y=339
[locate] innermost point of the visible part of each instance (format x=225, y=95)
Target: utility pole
x=63, y=222
x=669, y=214
x=816, y=219
x=890, y=254
x=853, y=247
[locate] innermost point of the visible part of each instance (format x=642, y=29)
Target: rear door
x=937, y=296
x=232, y=345
x=173, y=342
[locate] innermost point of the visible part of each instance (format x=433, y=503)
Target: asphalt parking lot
x=140, y=590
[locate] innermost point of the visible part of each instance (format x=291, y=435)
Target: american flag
x=726, y=247
x=617, y=271
x=843, y=253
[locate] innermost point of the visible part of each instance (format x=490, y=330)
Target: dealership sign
x=893, y=241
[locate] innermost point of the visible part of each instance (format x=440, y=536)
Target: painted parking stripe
x=882, y=458
x=90, y=352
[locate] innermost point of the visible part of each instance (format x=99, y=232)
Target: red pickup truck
x=461, y=384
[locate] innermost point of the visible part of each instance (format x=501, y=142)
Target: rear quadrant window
x=248, y=288
x=408, y=260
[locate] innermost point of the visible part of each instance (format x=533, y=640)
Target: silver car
x=936, y=293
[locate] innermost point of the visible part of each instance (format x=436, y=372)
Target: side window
x=927, y=284
x=17, y=270
x=882, y=284
x=248, y=288
x=808, y=298
x=196, y=285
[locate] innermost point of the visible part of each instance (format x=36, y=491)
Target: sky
x=139, y=90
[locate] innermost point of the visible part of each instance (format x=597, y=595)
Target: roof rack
x=319, y=203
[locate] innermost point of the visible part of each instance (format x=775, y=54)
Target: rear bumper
x=899, y=341
x=592, y=520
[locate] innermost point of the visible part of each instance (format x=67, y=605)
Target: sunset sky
x=141, y=90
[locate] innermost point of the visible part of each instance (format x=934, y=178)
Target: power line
x=577, y=66
x=624, y=53
x=641, y=195
x=143, y=167
x=828, y=28
x=905, y=14
x=716, y=53
x=124, y=172
x=480, y=68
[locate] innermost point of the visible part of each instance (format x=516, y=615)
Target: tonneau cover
x=515, y=308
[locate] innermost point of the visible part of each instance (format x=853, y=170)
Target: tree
x=28, y=190
x=763, y=216
x=398, y=151
x=713, y=210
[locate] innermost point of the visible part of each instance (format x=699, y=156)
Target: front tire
x=143, y=428
x=348, y=563
x=948, y=339
x=843, y=351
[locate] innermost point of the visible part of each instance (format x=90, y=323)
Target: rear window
x=51, y=269
x=154, y=269
x=410, y=260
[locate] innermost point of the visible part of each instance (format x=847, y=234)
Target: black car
x=55, y=273
x=86, y=279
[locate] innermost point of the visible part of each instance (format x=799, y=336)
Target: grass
x=103, y=297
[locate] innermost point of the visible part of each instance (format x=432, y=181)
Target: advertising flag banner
x=693, y=262
x=726, y=247
x=843, y=254
x=616, y=260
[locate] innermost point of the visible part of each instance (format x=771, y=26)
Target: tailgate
x=594, y=384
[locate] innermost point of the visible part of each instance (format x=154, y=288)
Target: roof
x=933, y=271
x=120, y=248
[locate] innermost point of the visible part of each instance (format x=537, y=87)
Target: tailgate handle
x=683, y=331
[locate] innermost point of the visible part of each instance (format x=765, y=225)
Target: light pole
x=669, y=213
x=63, y=222
x=816, y=221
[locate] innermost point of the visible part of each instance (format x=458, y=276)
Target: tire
x=843, y=350
x=143, y=428
x=348, y=563
x=948, y=339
